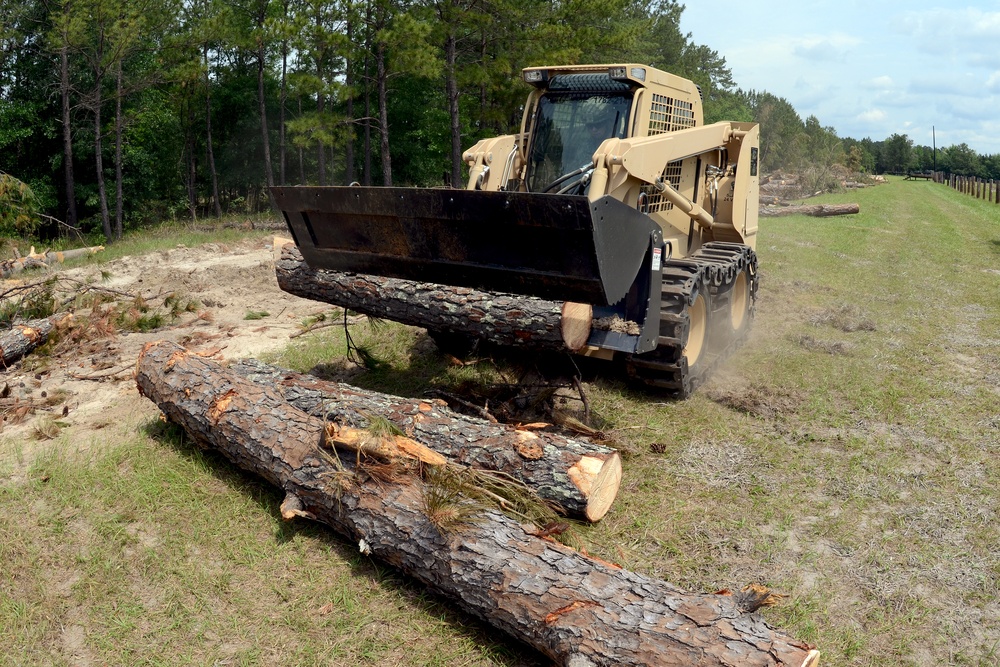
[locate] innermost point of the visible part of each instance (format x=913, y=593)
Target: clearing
x=847, y=457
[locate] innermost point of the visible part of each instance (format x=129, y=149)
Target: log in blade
x=558, y=247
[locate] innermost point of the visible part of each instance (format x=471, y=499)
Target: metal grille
x=655, y=202
x=667, y=115
x=588, y=83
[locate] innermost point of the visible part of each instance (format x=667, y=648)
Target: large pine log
x=577, y=610
x=817, y=210
x=504, y=319
x=21, y=339
x=34, y=260
x=583, y=478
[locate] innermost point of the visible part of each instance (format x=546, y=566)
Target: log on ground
x=21, y=339
x=581, y=477
x=817, y=210
x=34, y=260
x=577, y=610
x=504, y=319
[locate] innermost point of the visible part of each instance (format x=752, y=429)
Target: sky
x=867, y=69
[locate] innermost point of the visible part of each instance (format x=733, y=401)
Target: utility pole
x=934, y=144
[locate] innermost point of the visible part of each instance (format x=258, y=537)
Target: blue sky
x=868, y=69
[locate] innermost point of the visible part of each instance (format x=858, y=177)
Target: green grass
x=846, y=456
x=152, y=552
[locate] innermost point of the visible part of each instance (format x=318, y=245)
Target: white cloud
x=965, y=85
x=993, y=83
x=879, y=83
x=821, y=48
x=872, y=116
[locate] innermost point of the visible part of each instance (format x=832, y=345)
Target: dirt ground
x=90, y=387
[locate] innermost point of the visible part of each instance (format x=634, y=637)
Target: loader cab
x=572, y=117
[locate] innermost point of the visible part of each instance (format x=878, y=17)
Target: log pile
x=582, y=478
x=577, y=610
x=504, y=319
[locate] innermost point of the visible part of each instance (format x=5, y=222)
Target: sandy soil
x=91, y=387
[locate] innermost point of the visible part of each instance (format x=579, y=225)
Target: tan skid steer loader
x=614, y=194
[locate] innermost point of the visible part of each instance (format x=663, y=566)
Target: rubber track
x=711, y=271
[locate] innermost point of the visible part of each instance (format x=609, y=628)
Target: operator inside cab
x=568, y=129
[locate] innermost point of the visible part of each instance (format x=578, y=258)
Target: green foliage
x=19, y=207
x=34, y=304
x=187, y=65
x=962, y=160
x=896, y=154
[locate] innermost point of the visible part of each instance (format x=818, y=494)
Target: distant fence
x=987, y=189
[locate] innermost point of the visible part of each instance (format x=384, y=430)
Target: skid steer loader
x=613, y=194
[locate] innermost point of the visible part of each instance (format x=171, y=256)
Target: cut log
x=34, y=260
x=21, y=339
x=575, y=609
x=504, y=319
x=817, y=211
x=581, y=477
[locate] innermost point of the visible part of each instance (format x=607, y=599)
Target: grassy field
x=846, y=457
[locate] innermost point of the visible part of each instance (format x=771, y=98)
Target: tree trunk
x=282, y=99
x=349, y=121
x=71, y=218
x=9, y=267
x=302, y=157
x=320, y=152
x=818, y=210
x=367, y=169
x=452, y=94
x=577, y=610
x=262, y=106
x=581, y=477
x=102, y=193
x=21, y=339
x=208, y=137
x=504, y=319
x=383, y=114
x=119, y=122
x=192, y=170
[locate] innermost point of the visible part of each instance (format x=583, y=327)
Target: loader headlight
x=535, y=76
x=626, y=74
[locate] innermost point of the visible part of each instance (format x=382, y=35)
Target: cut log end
x=577, y=319
x=812, y=660
x=599, y=479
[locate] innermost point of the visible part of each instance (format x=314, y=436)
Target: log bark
x=504, y=319
x=577, y=610
x=818, y=210
x=21, y=339
x=34, y=260
x=581, y=477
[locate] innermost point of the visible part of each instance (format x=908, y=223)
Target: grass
x=846, y=457
x=152, y=552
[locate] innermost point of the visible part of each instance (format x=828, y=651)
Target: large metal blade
x=556, y=247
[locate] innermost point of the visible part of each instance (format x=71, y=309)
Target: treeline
x=120, y=112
